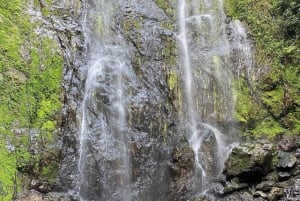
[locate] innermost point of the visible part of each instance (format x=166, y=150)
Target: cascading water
x=103, y=139
x=208, y=80
x=129, y=124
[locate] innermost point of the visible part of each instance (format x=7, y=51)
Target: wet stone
x=265, y=185
x=272, y=176
x=283, y=176
x=286, y=160
x=250, y=161
x=297, y=153
x=275, y=194
x=260, y=194
x=233, y=186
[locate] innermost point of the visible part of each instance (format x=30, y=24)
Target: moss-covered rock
x=31, y=64
x=250, y=165
x=247, y=161
x=272, y=101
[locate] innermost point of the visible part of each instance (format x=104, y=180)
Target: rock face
x=158, y=150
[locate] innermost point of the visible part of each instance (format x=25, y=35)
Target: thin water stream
x=208, y=85
x=103, y=141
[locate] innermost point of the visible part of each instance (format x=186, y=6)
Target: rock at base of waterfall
x=286, y=160
x=269, y=173
x=233, y=186
x=265, y=185
x=33, y=195
x=249, y=161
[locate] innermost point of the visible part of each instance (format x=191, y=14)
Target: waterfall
x=129, y=123
x=208, y=86
x=103, y=152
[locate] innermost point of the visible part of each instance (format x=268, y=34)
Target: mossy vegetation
x=169, y=6
x=273, y=26
x=30, y=74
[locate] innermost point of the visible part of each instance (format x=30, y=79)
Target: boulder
x=286, y=160
x=289, y=143
x=275, y=194
x=250, y=161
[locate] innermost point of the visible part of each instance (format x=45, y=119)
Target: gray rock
x=275, y=194
x=297, y=153
x=232, y=186
x=243, y=195
x=201, y=198
x=284, y=184
x=259, y=199
x=260, y=194
x=54, y=196
x=15, y=75
x=286, y=160
x=283, y=176
x=29, y=196
x=272, y=176
x=265, y=186
x=33, y=195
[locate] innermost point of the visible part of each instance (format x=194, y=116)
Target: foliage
x=288, y=12
x=30, y=73
x=274, y=28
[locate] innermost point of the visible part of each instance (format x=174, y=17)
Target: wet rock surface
x=162, y=161
x=286, y=160
x=36, y=196
x=277, y=180
x=250, y=161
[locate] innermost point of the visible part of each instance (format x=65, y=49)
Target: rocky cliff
x=44, y=66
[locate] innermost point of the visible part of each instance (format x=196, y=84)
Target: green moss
x=217, y=61
x=247, y=109
x=168, y=25
x=173, y=81
x=292, y=122
x=30, y=69
x=7, y=172
x=276, y=91
x=174, y=89
x=273, y=101
x=169, y=6
x=170, y=51
x=268, y=127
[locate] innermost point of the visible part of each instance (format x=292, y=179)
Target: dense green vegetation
x=30, y=73
x=269, y=104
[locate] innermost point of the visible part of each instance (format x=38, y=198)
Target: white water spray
x=104, y=160
x=208, y=80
